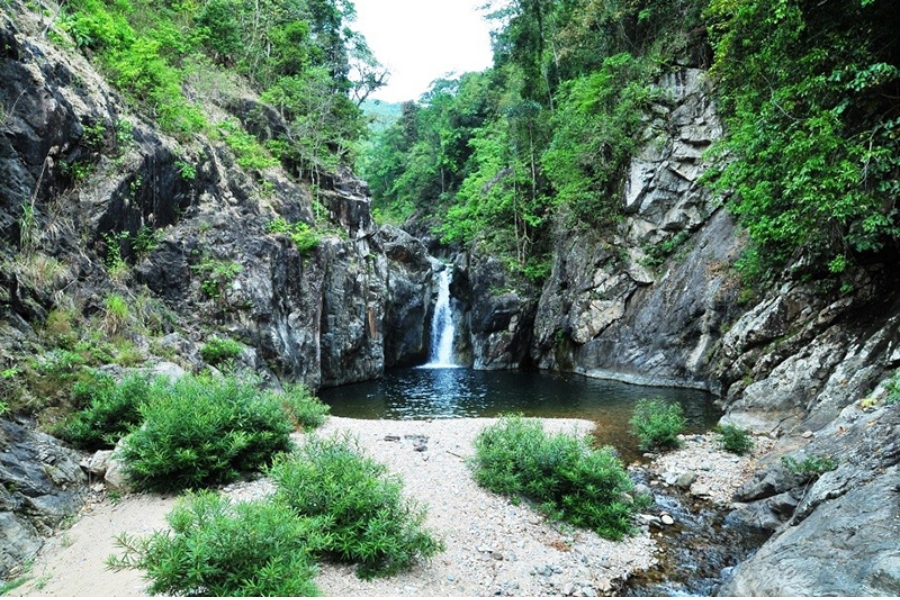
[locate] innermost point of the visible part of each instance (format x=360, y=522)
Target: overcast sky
x=422, y=40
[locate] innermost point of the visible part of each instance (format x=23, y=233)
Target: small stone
x=685, y=480
x=392, y=438
x=604, y=584
x=568, y=589
x=97, y=465
x=699, y=490
x=98, y=487
x=807, y=434
x=667, y=520
x=420, y=447
x=589, y=592
x=641, y=490
x=497, y=555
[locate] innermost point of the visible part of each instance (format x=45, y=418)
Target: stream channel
x=693, y=554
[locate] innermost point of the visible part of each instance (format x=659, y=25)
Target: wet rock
x=498, y=314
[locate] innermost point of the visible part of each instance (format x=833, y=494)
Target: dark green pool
x=453, y=393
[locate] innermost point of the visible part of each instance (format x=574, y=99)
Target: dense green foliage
x=810, y=94
x=113, y=410
x=220, y=350
x=810, y=467
x=364, y=519
x=300, y=55
x=304, y=238
x=567, y=478
x=657, y=423
x=811, y=97
x=493, y=158
x=219, y=549
x=201, y=431
x=734, y=439
x=304, y=409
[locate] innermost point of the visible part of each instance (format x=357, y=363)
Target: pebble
x=667, y=520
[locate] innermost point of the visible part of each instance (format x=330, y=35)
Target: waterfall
x=442, y=328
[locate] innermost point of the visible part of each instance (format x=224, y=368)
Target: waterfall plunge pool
x=440, y=393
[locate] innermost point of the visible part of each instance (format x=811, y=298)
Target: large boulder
x=41, y=484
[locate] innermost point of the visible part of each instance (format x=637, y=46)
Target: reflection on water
x=454, y=393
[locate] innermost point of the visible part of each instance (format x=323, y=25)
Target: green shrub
x=218, y=350
x=203, y=431
x=364, y=517
x=811, y=466
x=113, y=410
x=734, y=439
x=304, y=238
x=115, y=314
x=657, y=423
x=304, y=409
x=218, y=549
x=568, y=479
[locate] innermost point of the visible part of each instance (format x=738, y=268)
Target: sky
x=423, y=40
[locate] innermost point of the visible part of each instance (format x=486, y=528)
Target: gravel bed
x=493, y=546
x=705, y=469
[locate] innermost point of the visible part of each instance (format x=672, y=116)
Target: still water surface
x=454, y=393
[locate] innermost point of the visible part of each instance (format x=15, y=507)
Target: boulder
x=41, y=484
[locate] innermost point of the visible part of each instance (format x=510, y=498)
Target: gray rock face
x=40, y=485
x=608, y=309
x=498, y=314
x=835, y=533
x=848, y=547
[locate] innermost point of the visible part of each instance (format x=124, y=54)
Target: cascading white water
x=442, y=328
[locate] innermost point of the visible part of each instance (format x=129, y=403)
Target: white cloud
x=422, y=40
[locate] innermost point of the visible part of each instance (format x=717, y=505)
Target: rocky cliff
x=659, y=302
x=117, y=238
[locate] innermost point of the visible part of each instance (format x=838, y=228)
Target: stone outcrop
x=497, y=314
x=342, y=312
x=614, y=307
x=837, y=536
x=41, y=485
x=85, y=184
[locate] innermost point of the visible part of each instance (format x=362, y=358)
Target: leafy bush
x=810, y=467
x=115, y=314
x=113, y=411
x=657, y=423
x=304, y=238
x=734, y=439
x=569, y=479
x=363, y=515
x=219, y=350
x=302, y=407
x=218, y=549
x=202, y=431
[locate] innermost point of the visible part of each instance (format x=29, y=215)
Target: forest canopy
x=809, y=93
